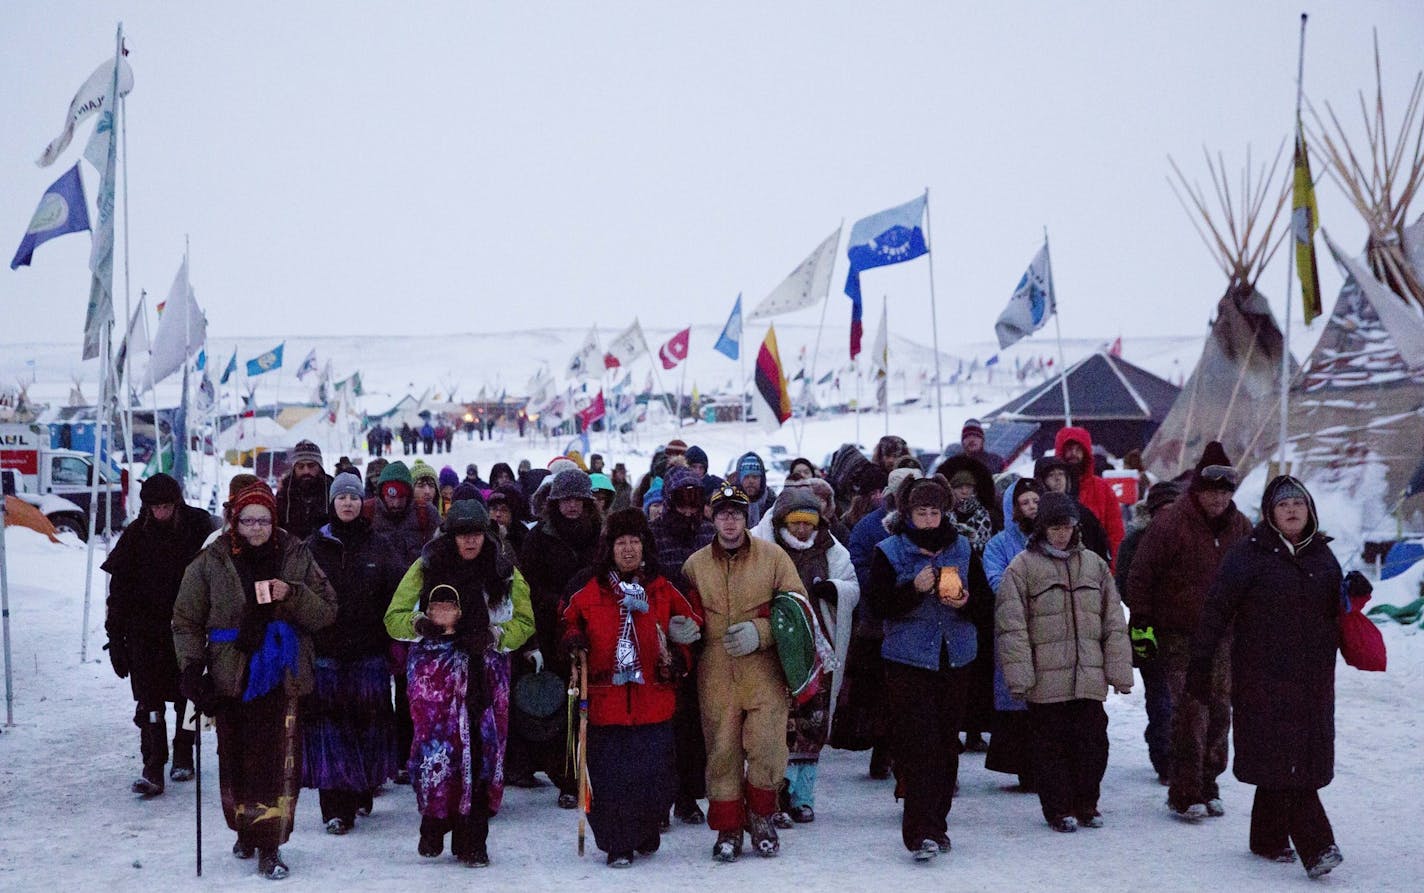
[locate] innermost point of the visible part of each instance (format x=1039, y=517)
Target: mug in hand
x=264, y=591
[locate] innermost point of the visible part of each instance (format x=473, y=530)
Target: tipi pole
x=1290, y=271
x=1058, y=334
x=934, y=326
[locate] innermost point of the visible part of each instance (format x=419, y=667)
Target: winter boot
x=150, y=783
x=1283, y=855
x=620, y=860
x=1329, y=858
x=270, y=864
x=650, y=846
x=803, y=814
x=1064, y=824
x=763, y=832
x=688, y=811
x=1193, y=812
x=728, y=846
x=182, y=756
x=1090, y=819
x=1215, y=808
x=926, y=851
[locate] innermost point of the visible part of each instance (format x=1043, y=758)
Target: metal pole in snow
x=1290, y=274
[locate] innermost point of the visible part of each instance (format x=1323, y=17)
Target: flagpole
x=816, y=351
x=885, y=360
x=1290, y=269
x=1058, y=333
x=122, y=109
x=855, y=364
x=152, y=386
x=934, y=323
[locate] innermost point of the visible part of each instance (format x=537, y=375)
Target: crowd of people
x=422, y=628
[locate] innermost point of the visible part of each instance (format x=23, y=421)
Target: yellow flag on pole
x=1305, y=219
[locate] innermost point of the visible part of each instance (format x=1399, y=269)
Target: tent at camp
x=1237, y=379
x=1120, y=405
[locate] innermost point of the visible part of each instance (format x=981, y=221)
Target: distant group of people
x=422, y=627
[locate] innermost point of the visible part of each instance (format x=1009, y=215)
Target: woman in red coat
x=633, y=626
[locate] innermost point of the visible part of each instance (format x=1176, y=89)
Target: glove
x=824, y=590
x=635, y=598
x=197, y=688
x=683, y=630
x=1357, y=585
x=574, y=642
x=741, y=639
x=1199, y=687
x=536, y=657
x=119, y=658
x=1144, y=645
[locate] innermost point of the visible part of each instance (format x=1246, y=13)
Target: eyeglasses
x=254, y=522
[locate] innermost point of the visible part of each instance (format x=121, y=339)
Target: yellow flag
x=1305, y=219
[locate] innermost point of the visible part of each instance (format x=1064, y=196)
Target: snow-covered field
x=67, y=820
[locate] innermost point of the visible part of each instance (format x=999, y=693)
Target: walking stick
x=193, y=719
x=584, y=792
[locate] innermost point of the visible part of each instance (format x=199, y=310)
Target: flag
x=182, y=329
x=992, y=361
x=230, y=368
x=880, y=353
x=539, y=385
x=1031, y=303
x=308, y=365
x=93, y=96
x=62, y=210
x=100, y=311
x=674, y=350
x=626, y=347
x=827, y=377
x=268, y=361
x=771, y=395
x=201, y=363
x=135, y=339
x=890, y=237
x=1305, y=218
x=591, y=413
x=585, y=362
x=356, y=389
x=729, y=343
x=806, y=285
x=1115, y=349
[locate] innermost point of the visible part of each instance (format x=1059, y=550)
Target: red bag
x=1360, y=640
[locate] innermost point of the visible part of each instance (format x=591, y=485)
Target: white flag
x=1031, y=304
x=626, y=347
x=587, y=361
x=806, y=285
x=880, y=352
x=92, y=98
x=182, y=330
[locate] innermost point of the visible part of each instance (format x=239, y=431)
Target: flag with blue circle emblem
x=1032, y=302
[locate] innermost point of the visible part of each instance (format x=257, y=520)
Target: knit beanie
x=654, y=497
x=1055, y=509
x=897, y=478
x=239, y=483
x=600, y=481
x=962, y=477
x=306, y=451
x=1213, y=470
x=696, y=455
x=466, y=516
x=1289, y=488
x=464, y=490
x=419, y=471
x=750, y=463
x=255, y=494
x=448, y=477
x=160, y=489
x=971, y=426
x=398, y=472
x=570, y=484
x=675, y=447
x=348, y=484
x=796, y=504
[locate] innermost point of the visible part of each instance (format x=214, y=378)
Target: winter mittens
x=683, y=630
x=741, y=639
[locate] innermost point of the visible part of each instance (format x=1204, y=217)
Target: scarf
x=627, y=665
x=974, y=522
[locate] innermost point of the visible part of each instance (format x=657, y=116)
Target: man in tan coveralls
x=740, y=682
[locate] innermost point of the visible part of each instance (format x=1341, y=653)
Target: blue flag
x=202, y=360
x=730, y=341
x=62, y=210
x=230, y=368
x=890, y=237
x=270, y=360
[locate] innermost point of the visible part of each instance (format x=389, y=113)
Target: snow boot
x=620, y=860
x=270, y=864
x=242, y=850
x=1064, y=824
x=1215, y=808
x=803, y=814
x=650, y=846
x=1092, y=819
x=926, y=851
x=728, y=846
x=150, y=783
x=1194, y=812
x=689, y=812
x=781, y=820
x=1329, y=858
x=182, y=756
x=1283, y=855
x=764, y=840
x=337, y=826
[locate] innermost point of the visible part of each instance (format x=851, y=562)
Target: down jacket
x=1059, y=627
x=212, y=598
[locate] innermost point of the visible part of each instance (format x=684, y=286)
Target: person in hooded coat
x=919, y=585
x=799, y=526
x=461, y=601
x=1055, y=476
x=557, y=556
x=1010, y=748
x=508, y=510
x=1074, y=446
x=348, y=726
x=302, y=495
x=632, y=627
x=1062, y=639
x=750, y=476
x=246, y=657
x=1276, y=599
x=145, y=571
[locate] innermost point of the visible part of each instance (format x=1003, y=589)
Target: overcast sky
x=446, y=167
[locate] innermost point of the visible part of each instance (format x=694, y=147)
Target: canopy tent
x=1120, y=405
x=1237, y=379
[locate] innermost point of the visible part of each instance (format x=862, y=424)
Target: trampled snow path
x=68, y=821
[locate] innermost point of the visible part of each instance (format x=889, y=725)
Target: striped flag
x=1305, y=219
x=771, y=396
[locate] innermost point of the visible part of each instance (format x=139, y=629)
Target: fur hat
x=916, y=492
x=306, y=451
x=570, y=484
x=348, y=484
x=625, y=522
x=465, y=516
x=1055, y=508
x=160, y=489
x=448, y=477
x=795, y=501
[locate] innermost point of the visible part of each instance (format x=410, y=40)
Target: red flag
x=1116, y=347
x=675, y=350
x=593, y=412
x=610, y=361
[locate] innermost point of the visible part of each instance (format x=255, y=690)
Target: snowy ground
x=68, y=821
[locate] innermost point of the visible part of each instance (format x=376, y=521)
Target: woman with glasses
x=245, y=614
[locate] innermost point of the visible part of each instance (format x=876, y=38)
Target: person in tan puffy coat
x=740, y=683
x=1062, y=640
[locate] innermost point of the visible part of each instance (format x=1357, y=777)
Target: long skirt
x=494, y=727
x=348, y=727
x=446, y=755
x=259, y=759
x=633, y=778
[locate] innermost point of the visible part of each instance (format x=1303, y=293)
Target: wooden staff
x=585, y=793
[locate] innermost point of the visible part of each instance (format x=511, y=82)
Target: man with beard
x=751, y=478
x=556, y=560
x=302, y=494
x=146, y=568
x=971, y=444
x=681, y=530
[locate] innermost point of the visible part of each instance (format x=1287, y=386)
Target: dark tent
x=1118, y=403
